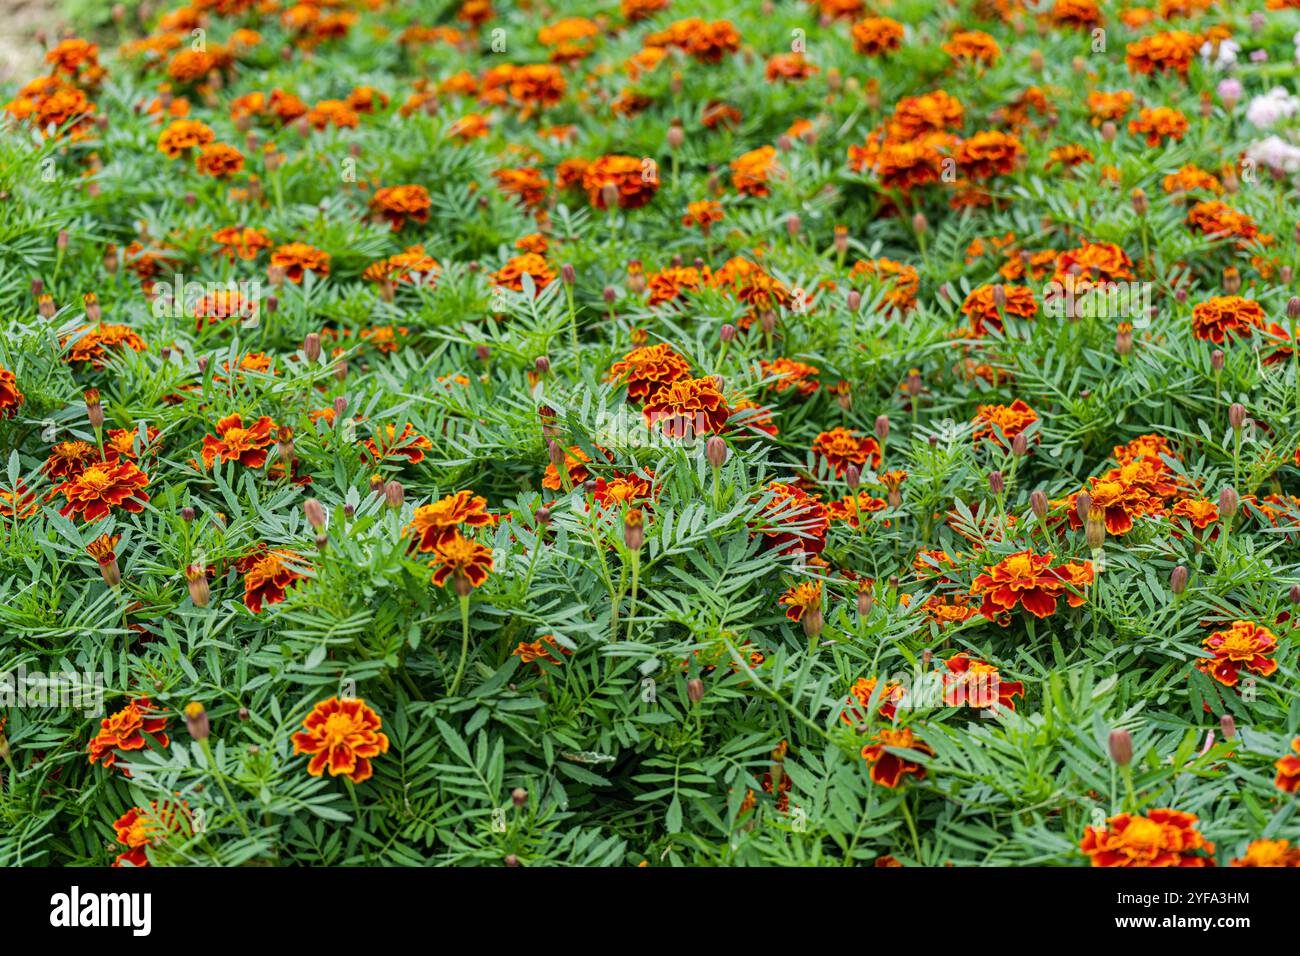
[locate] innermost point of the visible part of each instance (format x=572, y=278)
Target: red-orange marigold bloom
x=437, y=522
x=1002, y=423
x=1288, y=770
x=1224, y=315
x=864, y=688
x=648, y=370
x=240, y=241
x=124, y=731
x=510, y=275
x=988, y=153
x=343, y=736
x=267, y=577
x=400, y=204
x=1199, y=512
x=707, y=42
x=1162, y=53
x=876, y=35
x=297, y=258
x=907, y=164
x=788, y=374
x=687, y=407
x=1243, y=646
x=99, y=489
x=888, y=769
x=702, y=215
x=234, y=442
x=1029, y=580
x=1158, y=124
x=458, y=557
x=801, y=597
x=973, y=683
x=388, y=443
x=1161, y=838
x=11, y=399
x=973, y=45
x=92, y=343
x=219, y=160
x=182, y=135
x=841, y=447
x=751, y=171
x=784, y=67
x=545, y=649
x=68, y=459
x=851, y=512
x=636, y=181
x=138, y=828
x=1270, y=853
x=981, y=307
x=793, y=520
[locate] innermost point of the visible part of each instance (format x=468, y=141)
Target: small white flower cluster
x=1266, y=110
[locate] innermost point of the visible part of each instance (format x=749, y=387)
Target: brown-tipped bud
x=609, y=294
x=1231, y=281
x=311, y=347
x=727, y=333
x=519, y=796
x=376, y=485
x=676, y=136
x=1121, y=747
x=853, y=300
x=695, y=690
x=542, y=364
x=1140, y=202
x=1293, y=308
x=543, y=515
x=841, y=239
x=284, y=444
x=715, y=450
x=609, y=195
x=94, y=410
x=1236, y=415
x=1083, y=505
x=1000, y=297
x=893, y=582
x=482, y=353
x=556, y=454
x=61, y=240
x=996, y=484
x=1294, y=594
x=914, y=383
x=394, y=494
x=1038, y=503
x=920, y=225
x=1229, y=502
x=634, y=530
x=1019, y=445
x=340, y=406
x=322, y=542
x=1095, y=532
x=197, y=580
x=882, y=427
x=1109, y=131
x=1216, y=360
x=511, y=860
x=568, y=275
x=315, y=513
x=187, y=513
x=865, y=601
x=853, y=477
x=196, y=721
x=812, y=622
x=1178, y=579
x=1228, y=726
x=1285, y=275
x=793, y=224
x=341, y=369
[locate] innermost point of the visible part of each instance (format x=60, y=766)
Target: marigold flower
x=182, y=135
x=99, y=489
x=875, y=36
x=974, y=46
x=801, y=597
x=1288, y=770
x=438, y=522
x=1159, y=124
x=1269, y=853
x=1226, y=315
x=635, y=182
x=1163, y=53
x=891, y=694
x=124, y=731
x=1220, y=221
x=887, y=768
x=789, y=374
x=400, y=204
x=906, y=165
x=93, y=343
x=1243, y=646
x=11, y=399
x=988, y=154
x=235, y=442
x=751, y=171
x=973, y=683
x=545, y=649
x=1002, y=423
x=297, y=258
x=1161, y=838
x=459, y=558
x=1200, y=513
x=510, y=275
x=793, y=520
x=342, y=736
x=981, y=307
x=841, y=447
x=706, y=42
x=702, y=215
x=267, y=577
x=388, y=443
x=1079, y=14
x=851, y=511
x=687, y=407
x=901, y=280
x=648, y=370
x=138, y=828
x=219, y=160
x=1029, y=580
x=786, y=67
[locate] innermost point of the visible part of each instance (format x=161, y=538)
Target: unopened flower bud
x=1294, y=594
x=315, y=513
x=197, y=580
x=1217, y=360
x=568, y=275
x=542, y=364
x=196, y=720
x=519, y=796
x=1019, y=445
x=1236, y=415
x=187, y=513
x=1228, y=726
x=609, y=195
x=920, y=225
x=727, y=332
x=996, y=484
x=1293, y=308
x=311, y=347
x=1228, y=501
x=853, y=300
x=1121, y=747
x=865, y=600
x=634, y=530
x=1083, y=505
x=1095, y=532
x=1038, y=503
x=882, y=427
x=394, y=494
x=676, y=136
x=812, y=622
x=853, y=477
x=715, y=450
x=1178, y=580
x=1140, y=202
x=695, y=690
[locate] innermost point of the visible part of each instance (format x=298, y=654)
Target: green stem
x=464, y=645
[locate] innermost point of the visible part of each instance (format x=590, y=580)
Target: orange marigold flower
x=855, y=712
x=267, y=577
x=1269, y=853
x=648, y=370
x=1159, y=124
x=876, y=35
x=70, y=458
x=1199, y=512
x=988, y=153
x=1029, y=580
x=219, y=160
x=438, y=522
x=784, y=67
x=138, y=828
x=297, y=258
x=1220, y=221
x=510, y=275
x=400, y=204
x=707, y=42
x=635, y=182
x=18, y=501
x=1288, y=770
x=801, y=597
x=793, y=520
x=333, y=112
x=1161, y=838
x=241, y=241
x=99, y=489
x=1163, y=53
x=1002, y=423
x=343, y=736
x=888, y=768
x=472, y=126
x=687, y=407
x=182, y=135
x=527, y=184
x=1068, y=156
x=92, y=343
x=466, y=562
x=1079, y=14
x=545, y=649
x=973, y=46
x=1226, y=315
x=388, y=443
x=1092, y=262
x=973, y=683
x=841, y=447
x=235, y=442
x=851, y=512
x=702, y=215
x=11, y=399
x=905, y=165
x=788, y=374
x=125, y=731
x=981, y=307
x=900, y=279
x=750, y=172
x=1108, y=106
x=1245, y=645
x=1192, y=177
x=668, y=285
